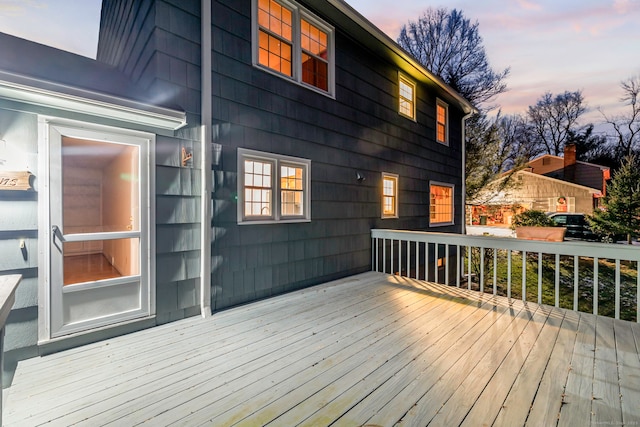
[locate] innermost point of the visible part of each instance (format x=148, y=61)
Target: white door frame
x=147, y=228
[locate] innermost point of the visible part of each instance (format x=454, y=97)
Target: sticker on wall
x=15, y=181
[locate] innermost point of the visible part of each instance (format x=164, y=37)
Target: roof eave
x=39, y=92
x=368, y=26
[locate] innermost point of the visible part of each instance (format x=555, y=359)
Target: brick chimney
x=569, y=155
x=570, y=162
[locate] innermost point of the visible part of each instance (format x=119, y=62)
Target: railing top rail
x=575, y=248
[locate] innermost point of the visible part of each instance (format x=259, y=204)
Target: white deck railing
x=593, y=271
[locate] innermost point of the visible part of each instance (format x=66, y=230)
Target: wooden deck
x=372, y=349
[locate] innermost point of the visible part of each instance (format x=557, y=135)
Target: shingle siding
x=358, y=131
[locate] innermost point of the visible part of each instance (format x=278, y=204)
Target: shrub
x=532, y=218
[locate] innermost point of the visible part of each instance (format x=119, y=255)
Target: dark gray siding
x=157, y=44
x=359, y=131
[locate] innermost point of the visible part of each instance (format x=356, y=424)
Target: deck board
x=370, y=349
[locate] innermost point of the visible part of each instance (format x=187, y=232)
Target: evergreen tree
x=621, y=206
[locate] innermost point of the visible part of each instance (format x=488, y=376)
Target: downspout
x=206, y=114
x=463, y=194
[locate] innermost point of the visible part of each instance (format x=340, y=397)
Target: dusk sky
x=550, y=45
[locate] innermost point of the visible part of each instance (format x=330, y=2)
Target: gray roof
x=48, y=64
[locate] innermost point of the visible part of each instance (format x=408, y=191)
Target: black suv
x=576, y=224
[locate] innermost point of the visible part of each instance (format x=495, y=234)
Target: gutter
x=206, y=112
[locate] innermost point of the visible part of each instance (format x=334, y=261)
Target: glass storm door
x=99, y=217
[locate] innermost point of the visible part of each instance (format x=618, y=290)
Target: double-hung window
x=273, y=188
x=389, y=195
x=442, y=119
x=406, y=97
x=294, y=43
x=440, y=204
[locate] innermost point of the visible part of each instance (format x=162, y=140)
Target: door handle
x=56, y=232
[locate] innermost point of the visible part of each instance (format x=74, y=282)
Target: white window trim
x=453, y=197
x=443, y=104
x=276, y=160
x=298, y=13
x=402, y=78
x=386, y=175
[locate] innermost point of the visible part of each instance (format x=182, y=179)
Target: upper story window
x=406, y=97
x=440, y=204
x=389, y=195
x=442, y=122
x=272, y=188
x=294, y=43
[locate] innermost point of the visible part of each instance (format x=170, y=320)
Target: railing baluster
x=469, y=267
x=374, y=253
x=481, y=269
x=384, y=255
x=426, y=261
x=557, y=287
x=539, y=277
x=399, y=257
x=596, y=263
x=576, y=281
x=417, y=260
x=392, y=241
x=408, y=258
x=459, y=272
x=435, y=264
x=617, y=288
x=446, y=264
x=508, y=273
x=495, y=271
x=524, y=275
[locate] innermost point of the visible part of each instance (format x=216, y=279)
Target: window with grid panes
x=442, y=113
x=407, y=97
x=294, y=43
x=440, y=204
x=272, y=188
x=389, y=195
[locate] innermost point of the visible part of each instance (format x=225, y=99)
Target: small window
x=294, y=43
x=272, y=188
x=389, y=195
x=407, y=97
x=442, y=117
x=441, y=204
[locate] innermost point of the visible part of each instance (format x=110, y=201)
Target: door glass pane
x=100, y=183
x=93, y=260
